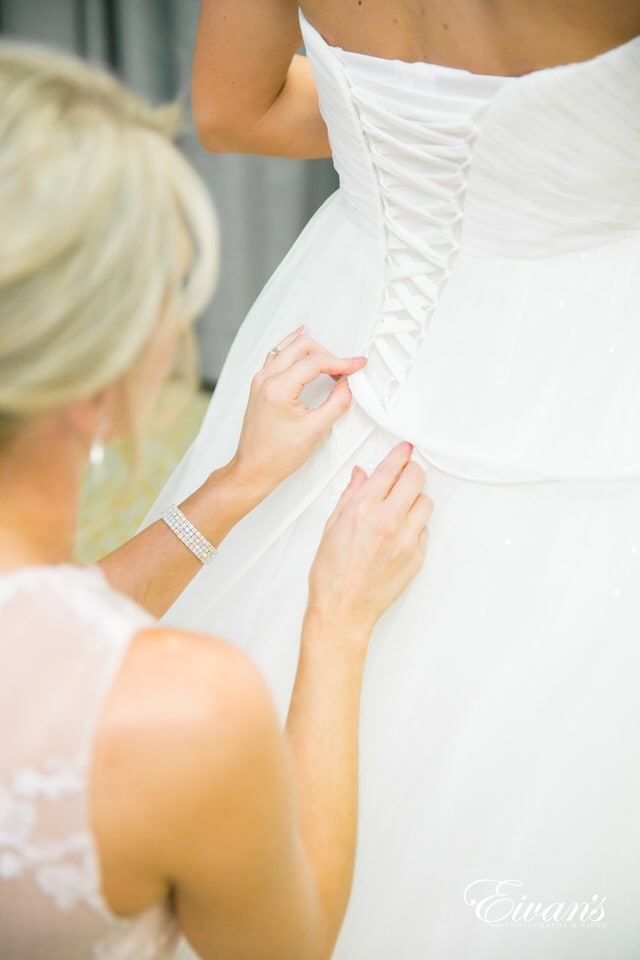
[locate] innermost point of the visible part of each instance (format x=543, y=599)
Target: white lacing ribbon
x=421, y=239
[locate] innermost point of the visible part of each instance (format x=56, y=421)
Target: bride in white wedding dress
x=484, y=251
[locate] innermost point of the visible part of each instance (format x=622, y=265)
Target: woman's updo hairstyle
x=97, y=209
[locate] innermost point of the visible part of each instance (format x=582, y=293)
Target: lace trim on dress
x=63, y=868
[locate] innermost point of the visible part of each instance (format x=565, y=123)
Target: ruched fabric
x=483, y=250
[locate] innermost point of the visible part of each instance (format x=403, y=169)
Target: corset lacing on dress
x=404, y=175
x=421, y=239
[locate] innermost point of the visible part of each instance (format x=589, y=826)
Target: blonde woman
x=146, y=787
x=483, y=251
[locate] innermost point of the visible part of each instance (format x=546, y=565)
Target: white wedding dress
x=63, y=635
x=484, y=251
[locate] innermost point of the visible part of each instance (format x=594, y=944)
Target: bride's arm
x=251, y=93
x=278, y=435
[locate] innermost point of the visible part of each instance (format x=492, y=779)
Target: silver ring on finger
x=275, y=351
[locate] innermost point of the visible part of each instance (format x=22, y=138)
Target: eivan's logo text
x=500, y=903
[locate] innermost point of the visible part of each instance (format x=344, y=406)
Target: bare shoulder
x=185, y=712
x=169, y=672
x=509, y=37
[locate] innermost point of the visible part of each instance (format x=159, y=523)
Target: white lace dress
x=63, y=633
x=484, y=250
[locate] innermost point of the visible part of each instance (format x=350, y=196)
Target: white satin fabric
x=484, y=250
x=63, y=634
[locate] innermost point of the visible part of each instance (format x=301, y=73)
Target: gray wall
x=262, y=203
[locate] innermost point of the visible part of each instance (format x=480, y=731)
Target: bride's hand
x=279, y=431
x=374, y=543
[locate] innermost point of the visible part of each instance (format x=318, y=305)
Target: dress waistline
x=476, y=467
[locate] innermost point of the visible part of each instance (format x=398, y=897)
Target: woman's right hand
x=280, y=431
x=373, y=545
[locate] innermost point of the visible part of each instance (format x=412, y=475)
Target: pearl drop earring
x=96, y=454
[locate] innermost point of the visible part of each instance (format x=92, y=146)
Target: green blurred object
x=115, y=503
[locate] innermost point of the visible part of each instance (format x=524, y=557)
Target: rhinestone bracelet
x=190, y=536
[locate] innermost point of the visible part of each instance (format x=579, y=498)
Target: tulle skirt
x=499, y=731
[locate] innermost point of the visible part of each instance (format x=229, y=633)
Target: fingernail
x=408, y=446
x=303, y=329
x=359, y=359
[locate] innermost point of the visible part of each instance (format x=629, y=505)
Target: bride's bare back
x=507, y=37
x=251, y=94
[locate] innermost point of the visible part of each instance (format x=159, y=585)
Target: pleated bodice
x=447, y=172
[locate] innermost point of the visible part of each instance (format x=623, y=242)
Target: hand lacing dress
x=484, y=250
x=63, y=634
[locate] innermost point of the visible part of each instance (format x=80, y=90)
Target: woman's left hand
x=279, y=431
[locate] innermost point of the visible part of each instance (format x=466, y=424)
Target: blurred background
x=262, y=205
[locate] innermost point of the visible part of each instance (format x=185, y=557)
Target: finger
x=383, y=478
x=307, y=369
x=361, y=360
x=407, y=488
x=335, y=406
x=284, y=343
x=423, y=540
x=420, y=513
x=283, y=351
x=304, y=346
x=420, y=547
x=356, y=482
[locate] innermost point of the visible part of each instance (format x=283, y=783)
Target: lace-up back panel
x=63, y=633
x=445, y=173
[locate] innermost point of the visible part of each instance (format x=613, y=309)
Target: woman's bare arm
x=251, y=93
x=193, y=801
x=198, y=797
x=278, y=435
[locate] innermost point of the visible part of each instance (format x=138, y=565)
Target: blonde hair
x=95, y=202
